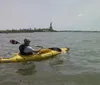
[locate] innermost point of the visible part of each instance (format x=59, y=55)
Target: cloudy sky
x=65, y=14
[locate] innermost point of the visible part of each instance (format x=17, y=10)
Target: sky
x=64, y=14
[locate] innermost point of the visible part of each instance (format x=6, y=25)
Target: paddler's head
x=26, y=41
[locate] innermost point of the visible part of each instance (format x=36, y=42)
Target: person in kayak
x=26, y=49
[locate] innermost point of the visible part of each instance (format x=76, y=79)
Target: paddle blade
x=14, y=42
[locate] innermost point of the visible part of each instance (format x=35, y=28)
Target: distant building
x=51, y=28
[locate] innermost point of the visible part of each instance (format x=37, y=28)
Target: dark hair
x=26, y=40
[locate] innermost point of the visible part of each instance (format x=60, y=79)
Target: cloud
x=80, y=14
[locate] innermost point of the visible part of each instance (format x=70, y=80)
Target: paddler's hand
x=1, y=57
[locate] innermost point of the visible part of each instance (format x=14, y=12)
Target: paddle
x=16, y=42
x=53, y=48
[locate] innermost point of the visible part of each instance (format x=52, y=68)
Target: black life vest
x=21, y=48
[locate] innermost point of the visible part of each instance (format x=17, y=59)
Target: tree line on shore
x=27, y=30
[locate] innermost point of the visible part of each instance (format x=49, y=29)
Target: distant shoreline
x=32, y=31
x=77, y=31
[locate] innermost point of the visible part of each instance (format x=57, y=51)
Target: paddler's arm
x=37, y=51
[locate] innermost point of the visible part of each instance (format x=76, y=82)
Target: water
x=80, y=67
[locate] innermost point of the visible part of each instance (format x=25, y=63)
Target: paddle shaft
x=16, y=42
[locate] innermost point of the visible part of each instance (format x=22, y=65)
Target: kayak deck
x=42, y=55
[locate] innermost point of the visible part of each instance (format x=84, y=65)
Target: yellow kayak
x=42, y=55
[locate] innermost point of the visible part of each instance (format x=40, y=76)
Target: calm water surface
x=80, y=67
